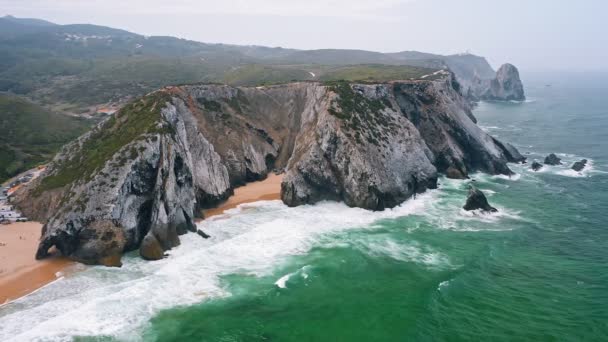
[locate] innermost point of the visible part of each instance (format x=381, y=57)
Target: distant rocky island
x=506, y=86
x=140, y=178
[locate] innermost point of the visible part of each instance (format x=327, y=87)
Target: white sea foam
x=443, y=284
x=585, y=172
x=489, y=217
x=409, y=252
x=303, y=272
x=447, y=212
x=565, y=169
x=281, y=283
x=514, y=177
x=252, y=239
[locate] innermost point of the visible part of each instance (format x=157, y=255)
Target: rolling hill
x=30, y=135
x=73, y=67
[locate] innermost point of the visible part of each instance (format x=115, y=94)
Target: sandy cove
x=21, y=273
x=265, y=190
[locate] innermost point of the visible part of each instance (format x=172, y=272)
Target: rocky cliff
x=140, y=178
x=506, y=86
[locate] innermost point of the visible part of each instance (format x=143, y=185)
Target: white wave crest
x=410, y=252
x=251, y=239
x=282, y=282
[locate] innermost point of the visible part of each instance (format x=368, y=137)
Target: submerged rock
x=552, y=159
x=477, y=200
x=536, y=166
x=579, y=165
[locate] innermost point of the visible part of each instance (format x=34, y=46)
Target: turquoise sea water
x=426, y=271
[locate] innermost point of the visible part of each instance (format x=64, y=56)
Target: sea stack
x=579, y=165
x=506, y=86
x=477, y=200
x=536, y=166
x=552, y=159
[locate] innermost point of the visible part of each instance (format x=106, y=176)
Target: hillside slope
x=73, y=67
x=30, y=135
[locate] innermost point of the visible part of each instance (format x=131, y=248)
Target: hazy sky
x=532, y=34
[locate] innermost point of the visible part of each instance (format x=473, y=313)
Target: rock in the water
x=579, y=165
x=454, y=173
x=202, y=234
x=536, y=166
x=552, y=159
x=477, y=200
x=150, y=248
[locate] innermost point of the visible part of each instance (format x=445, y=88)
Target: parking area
x=8, y=213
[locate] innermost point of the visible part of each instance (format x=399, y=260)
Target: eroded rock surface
x=579, y=165
x=138, y=180
x=506, y=86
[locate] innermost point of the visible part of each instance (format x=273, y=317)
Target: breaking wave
x=251, y=239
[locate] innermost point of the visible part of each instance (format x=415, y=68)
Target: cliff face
x=139, y=178
x=357, y=146
x=506, y=86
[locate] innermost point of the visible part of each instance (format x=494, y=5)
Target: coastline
x=20, y=272
x=264, y=190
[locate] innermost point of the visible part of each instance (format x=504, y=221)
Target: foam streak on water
x=251, y=239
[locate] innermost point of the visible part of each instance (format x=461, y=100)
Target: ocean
x=424, y=271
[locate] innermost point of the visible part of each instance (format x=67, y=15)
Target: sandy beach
x=265, y=190
x=20, y=272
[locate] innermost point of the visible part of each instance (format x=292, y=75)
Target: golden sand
x=265, y=190
x=20, y=272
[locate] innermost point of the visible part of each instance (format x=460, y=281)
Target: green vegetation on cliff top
x=362, y=117
x=131, y=123
x=375, y=72
x=255, y=74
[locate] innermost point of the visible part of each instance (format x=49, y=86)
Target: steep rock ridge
x=144, y=184
x=444, y=119
x=357, y=147
x=506, y=86
x=139, y=178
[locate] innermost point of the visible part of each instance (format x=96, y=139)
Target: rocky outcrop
x=512, y=153
x=506, y=86
x=454, y=173
x=552, y=159
x=477, y=200
x=139, y=179
x=579, y=165
x=536, y=166
x=358, y=147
